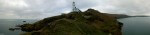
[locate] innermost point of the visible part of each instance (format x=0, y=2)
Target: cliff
x=90, y=22
x=119, y=16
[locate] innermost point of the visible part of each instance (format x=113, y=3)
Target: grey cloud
x=32, y=9
x=131, y=7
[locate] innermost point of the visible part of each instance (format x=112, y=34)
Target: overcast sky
x=38, y=9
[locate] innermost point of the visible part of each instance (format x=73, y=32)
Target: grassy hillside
x=90, y=22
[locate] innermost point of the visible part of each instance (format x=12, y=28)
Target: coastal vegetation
x=90, y=22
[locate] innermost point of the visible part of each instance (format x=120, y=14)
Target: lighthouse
x=74, y=8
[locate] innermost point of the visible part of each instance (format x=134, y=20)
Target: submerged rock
x=12, y=29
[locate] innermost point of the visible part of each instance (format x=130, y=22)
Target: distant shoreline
x=131, y=16
x=121, y=16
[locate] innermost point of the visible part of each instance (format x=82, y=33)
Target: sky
x=39, y=9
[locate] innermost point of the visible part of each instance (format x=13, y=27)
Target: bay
x=136, y=26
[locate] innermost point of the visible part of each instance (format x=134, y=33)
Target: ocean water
x=132, y=26
x=5, y=24
x=136, y=26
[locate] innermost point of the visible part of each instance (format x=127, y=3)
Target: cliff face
x=90, y=22
x=119, y=16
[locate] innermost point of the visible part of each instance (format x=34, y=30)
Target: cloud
x=130, y=7
x=35, y=9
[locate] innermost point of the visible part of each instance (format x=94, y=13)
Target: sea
x=136, y=26
x=132, y=26
x=5, y=24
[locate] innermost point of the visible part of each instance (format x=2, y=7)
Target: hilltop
x=90, y=22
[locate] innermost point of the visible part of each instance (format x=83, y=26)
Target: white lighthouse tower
x=75, y=9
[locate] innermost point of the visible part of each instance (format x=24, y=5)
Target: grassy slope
x=90, y=22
